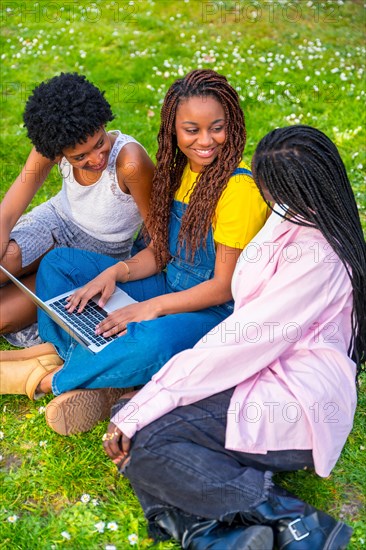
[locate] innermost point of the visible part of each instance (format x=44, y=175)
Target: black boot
x=200, y=534
x=297, y=525
x=170, y=524
x=214, y=535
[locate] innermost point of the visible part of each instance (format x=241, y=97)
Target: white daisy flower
x=100, y=526
x=133, y=539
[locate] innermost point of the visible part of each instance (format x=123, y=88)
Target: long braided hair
x=171, y=162
x=302, y=169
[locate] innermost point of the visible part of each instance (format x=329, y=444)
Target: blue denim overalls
x=130, y=360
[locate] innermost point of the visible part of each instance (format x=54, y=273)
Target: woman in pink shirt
x=260, y=393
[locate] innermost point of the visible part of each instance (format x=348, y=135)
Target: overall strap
x=242, y=171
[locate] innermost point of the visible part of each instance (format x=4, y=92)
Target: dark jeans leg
x=180, y=461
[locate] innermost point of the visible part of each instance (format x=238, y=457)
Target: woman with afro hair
x=204, y=208
x=65, y=118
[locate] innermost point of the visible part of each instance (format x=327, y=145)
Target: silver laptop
x=81, y=326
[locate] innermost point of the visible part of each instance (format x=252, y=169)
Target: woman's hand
x=104, y=284
x=116, y=322
x=116, y=444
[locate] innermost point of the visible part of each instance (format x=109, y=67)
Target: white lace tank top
x=102, y=209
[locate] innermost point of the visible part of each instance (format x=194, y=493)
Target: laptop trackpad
x=118, y=299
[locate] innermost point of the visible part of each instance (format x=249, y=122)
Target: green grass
x=290, y=62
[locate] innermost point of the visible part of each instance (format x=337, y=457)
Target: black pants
x=180, y=461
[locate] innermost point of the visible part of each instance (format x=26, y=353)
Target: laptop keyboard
x=85, y=322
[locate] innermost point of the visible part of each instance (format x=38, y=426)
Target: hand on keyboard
x=116, y=322
x=103, y=284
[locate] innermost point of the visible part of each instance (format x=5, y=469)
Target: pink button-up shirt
x=284, y=349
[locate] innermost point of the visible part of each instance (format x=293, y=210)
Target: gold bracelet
x=128, y=270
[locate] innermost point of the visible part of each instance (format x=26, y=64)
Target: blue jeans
x=132, y=359
x=180, y=461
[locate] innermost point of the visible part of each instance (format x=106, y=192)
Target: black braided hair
x=302, y=169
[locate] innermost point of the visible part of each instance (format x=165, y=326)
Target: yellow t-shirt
x=240, y=213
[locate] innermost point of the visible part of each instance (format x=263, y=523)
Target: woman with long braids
x=270, y=389
x=205, y=208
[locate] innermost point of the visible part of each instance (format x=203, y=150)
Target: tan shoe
x=21, y=371
x=78, y=411
x=27, y=353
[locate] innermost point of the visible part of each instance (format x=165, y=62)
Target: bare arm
x=213, y=292
x=20, y=194
x=140, y=266
x=135, y=171
x=209, y=293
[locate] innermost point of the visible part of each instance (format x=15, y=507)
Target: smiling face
x=92, y=155
x=201, y=130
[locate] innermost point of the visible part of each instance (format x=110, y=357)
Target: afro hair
x=64, y=111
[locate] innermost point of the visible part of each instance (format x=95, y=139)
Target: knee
x=11, y=260
x=141, y=459
x=144, y=443
x=52, y=272
x=55, y=256
x=58, y=262
x=152, y=448
x=15, y=314
x=164, y=431
x=142, y=440
x=47, y=262
x=6, y=320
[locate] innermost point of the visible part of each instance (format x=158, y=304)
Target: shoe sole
x=79, y=411
x=27, y=353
